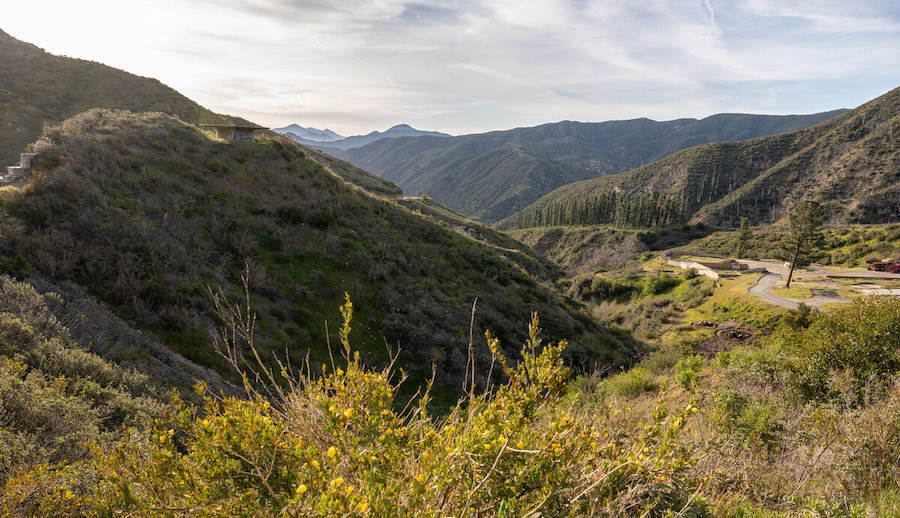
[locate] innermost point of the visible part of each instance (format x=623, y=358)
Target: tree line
x=610, y=207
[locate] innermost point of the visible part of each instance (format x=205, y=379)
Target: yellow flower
x=301, y=489
x=420, y=478
x=332, y=452
x=348, y=413
x=520, y=445
x=336, y=483
x=362, y=506
x=315, y=464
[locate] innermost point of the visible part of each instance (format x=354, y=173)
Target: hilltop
x=493, y=175
x=144, y=212
x=38, y=88
x=850, y=163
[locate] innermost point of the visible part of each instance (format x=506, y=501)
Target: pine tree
x=804, y=236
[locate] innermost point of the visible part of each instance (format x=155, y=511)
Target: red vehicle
x=885, y=265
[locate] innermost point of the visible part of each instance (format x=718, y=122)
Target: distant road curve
x=776, y=271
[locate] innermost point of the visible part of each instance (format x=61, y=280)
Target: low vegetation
x=804, y=425
x=335, y=446
x=800, y=422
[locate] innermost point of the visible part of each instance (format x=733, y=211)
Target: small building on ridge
x=235, y=132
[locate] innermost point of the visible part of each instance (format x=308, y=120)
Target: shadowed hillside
x=850, y=163
x=145, y=212
x=492, y=175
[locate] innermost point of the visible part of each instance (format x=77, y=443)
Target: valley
x=570, y=319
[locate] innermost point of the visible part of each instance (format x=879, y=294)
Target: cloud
x=476, y=65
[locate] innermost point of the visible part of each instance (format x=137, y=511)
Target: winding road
x=775, y=271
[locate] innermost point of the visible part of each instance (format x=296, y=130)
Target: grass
x=794, y=292
x=731, y=301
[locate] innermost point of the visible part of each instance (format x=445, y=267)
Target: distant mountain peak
x=299, y=133
x=318, y=139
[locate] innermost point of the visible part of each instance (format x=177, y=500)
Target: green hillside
x=146, y=212
x=850, y=163
x=37, y=88
x=490, y=176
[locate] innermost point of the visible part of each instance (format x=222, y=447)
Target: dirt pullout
x=726, y=335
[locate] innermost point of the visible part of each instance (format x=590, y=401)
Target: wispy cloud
x=475, y=65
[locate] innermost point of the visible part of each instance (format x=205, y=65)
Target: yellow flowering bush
x=337, y=445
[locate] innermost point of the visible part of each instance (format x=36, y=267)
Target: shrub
x=631, y=383
x=337, y=446
x=686, y=371
x=849, y=347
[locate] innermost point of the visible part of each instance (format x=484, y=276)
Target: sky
x=471, y=66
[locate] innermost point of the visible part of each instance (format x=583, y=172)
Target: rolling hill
x=37, y=88
x=850, y=163
x=145, y=213
x=493, y=175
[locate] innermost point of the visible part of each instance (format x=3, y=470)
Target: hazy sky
x=477, y=65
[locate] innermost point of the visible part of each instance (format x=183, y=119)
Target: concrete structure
x=14, y=172
x=235, y=132
x=701, y=269
x=730, y=264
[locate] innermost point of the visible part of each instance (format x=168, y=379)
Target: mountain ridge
x=295, y=131
x=492, y=175
x=336, y=146
x=850, y=163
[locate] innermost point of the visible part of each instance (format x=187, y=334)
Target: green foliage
x=55, y=397
x=744, y=239
x=628, y=288
x=752, y=422
x=632, y=382
x=336, y=446
x=850, y=347
x=799, y=318
x=686, y=371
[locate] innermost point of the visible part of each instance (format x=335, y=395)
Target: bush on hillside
x=849, y=348
x=337, y=446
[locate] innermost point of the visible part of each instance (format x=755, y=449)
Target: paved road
x=762, y=290
x=777, y=271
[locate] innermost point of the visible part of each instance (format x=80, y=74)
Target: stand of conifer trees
x=621, y=210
